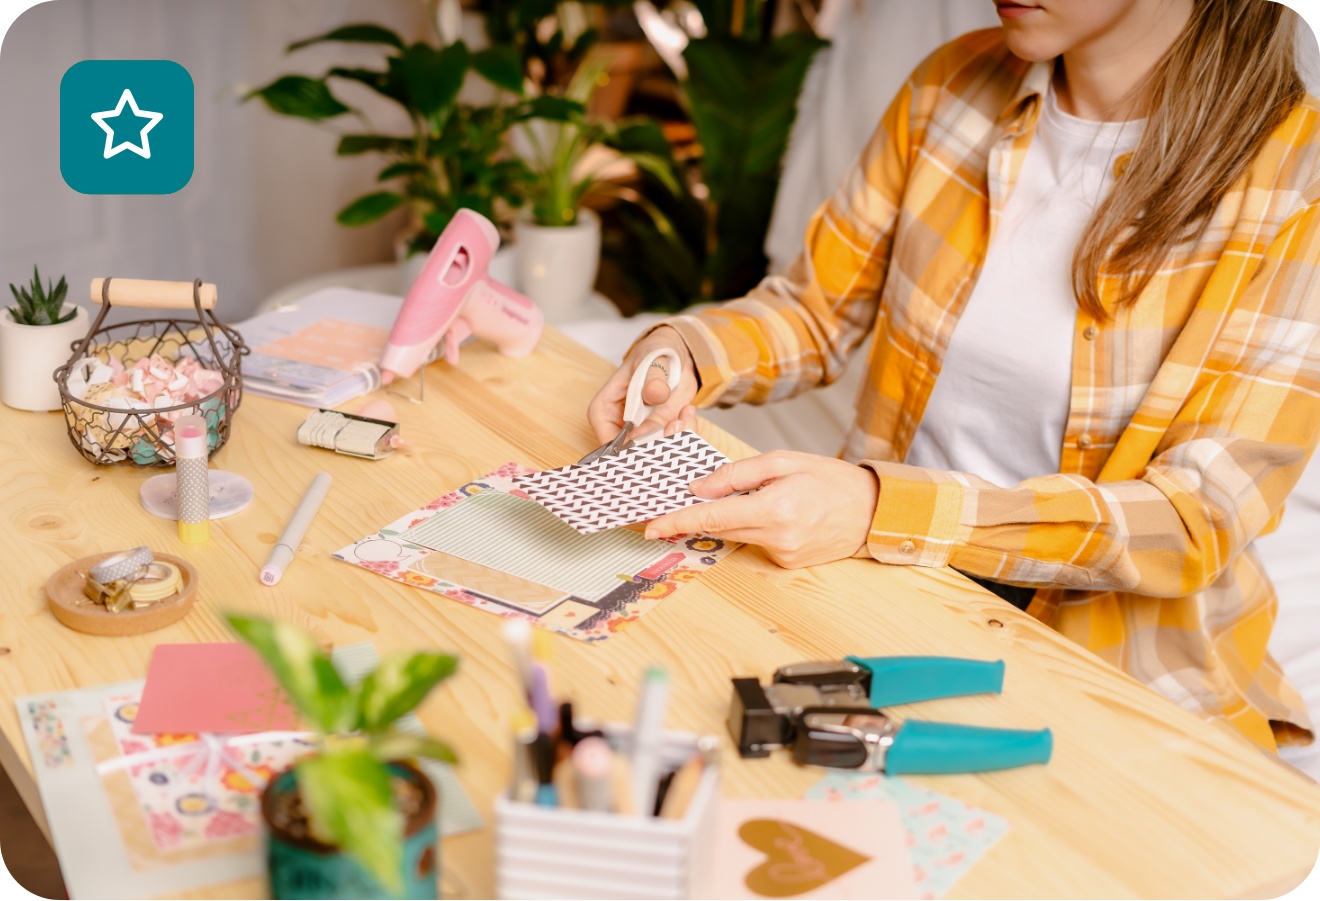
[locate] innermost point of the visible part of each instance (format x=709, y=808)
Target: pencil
x=681, y=789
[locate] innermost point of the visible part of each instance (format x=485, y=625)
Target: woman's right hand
x=672, y=409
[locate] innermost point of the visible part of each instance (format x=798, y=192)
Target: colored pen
x=524, y=758
x=518, y=634
x=681, y=789
x=282, y=554
x=543, y=703
x=568, y=730
x=593, y=762
x=546, y=795
x=621, y=788
x=647, y=734
x=566, y=784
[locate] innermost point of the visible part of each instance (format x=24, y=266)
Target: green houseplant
x=741, y=84
x=570, y=155
x=35, y=338
x=453, y=157
x=355, y=818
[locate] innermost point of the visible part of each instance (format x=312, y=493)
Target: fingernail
x=696, y=483
x=653, y=534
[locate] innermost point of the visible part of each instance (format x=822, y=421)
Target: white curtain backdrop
x=259, y=211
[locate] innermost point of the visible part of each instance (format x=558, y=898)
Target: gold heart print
x=797, y=859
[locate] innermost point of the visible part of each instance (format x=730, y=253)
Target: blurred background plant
x=740, y=83
x=697, y=161
x=454, y=158
x=572, y=153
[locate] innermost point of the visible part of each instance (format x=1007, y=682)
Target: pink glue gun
x=455, y=297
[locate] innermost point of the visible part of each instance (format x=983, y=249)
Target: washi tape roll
x=161, y=580
x=123, y=565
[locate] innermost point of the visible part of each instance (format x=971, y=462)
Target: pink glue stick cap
x=190, y=437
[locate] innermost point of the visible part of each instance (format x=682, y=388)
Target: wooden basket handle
x=141, y=292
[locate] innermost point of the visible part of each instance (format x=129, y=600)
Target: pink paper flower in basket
x=203, y=382
x=120, y=377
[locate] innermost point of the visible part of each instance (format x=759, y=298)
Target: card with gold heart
x=809, y=849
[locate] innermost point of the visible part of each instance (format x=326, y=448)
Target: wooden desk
x=1141, y=799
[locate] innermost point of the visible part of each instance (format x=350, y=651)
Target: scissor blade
x=619, y=442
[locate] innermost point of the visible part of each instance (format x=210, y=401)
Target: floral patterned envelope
x=489, y=545
x=135, y=816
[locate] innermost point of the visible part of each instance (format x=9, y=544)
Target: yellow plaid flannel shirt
x=1193, y=410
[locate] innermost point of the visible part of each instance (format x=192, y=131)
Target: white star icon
x=111, y=148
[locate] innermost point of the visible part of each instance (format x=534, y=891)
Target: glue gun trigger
x=458, y=332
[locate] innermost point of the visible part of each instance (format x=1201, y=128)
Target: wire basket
x=107, y=434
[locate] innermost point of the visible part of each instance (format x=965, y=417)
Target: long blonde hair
x=1227, y=82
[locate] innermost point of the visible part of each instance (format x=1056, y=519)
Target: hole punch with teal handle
x=907, y=680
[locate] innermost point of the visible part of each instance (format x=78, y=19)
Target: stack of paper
x=321, y=352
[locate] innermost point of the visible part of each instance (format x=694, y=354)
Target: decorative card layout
x=488, y=545
x=945, y=837
x=220, y=687
x=641, y=483
x=809, y=849
x=136, y=816
x=523, y=539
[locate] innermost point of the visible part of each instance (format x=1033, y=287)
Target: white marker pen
x=282, y=554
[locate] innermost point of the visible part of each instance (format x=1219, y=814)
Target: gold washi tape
x=160, y=581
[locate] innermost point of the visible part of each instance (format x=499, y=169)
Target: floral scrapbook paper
x=508, y=555
x=194, y=790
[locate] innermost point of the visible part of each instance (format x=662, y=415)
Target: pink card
x=222, y=687
x=779, y=848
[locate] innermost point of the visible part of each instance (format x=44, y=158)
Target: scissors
x=635, y=410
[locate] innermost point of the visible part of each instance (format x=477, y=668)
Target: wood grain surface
x=1141, y=799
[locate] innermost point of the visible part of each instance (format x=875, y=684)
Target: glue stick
x=193, y=479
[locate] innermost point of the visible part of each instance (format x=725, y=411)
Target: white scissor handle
x=635, y=410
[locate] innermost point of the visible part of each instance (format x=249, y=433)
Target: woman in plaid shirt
x=1111, y=476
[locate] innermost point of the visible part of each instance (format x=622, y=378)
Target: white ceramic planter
x=29, y=356
x=557, y=265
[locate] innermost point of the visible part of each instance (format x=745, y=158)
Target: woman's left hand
x=809, y=509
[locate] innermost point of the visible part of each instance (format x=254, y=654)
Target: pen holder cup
x=553, y=852
x=124, y=430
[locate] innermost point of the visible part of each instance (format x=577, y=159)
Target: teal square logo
x=126, y=126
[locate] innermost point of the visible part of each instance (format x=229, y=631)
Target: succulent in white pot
x=36, y=338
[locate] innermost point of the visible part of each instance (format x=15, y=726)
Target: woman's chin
x=1030, y=45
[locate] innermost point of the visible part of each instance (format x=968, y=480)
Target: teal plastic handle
x=906, y=680
x=921, y=747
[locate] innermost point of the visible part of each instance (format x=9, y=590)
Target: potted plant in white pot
x=570, y=155
x=356, y=818
x=36, y=338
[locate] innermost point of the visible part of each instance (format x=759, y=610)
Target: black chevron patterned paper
x=643, y=482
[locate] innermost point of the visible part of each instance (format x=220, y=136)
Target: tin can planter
x=300, y=867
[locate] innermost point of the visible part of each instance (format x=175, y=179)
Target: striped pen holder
x=554, y=852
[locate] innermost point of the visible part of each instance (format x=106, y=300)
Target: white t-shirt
x=1000, y=403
